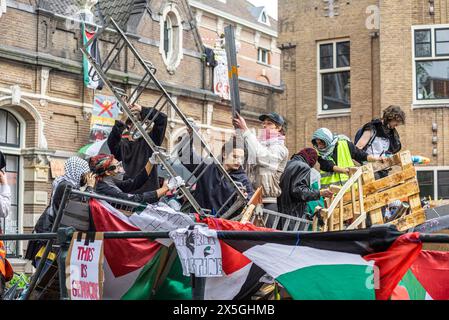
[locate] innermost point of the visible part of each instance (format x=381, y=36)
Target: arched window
x=10, y=146
x=171, y=38
x=168, y=37
x=9, y=129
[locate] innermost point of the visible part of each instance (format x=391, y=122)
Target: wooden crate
x=400, y=184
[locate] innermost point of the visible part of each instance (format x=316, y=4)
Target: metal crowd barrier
x=62, y=236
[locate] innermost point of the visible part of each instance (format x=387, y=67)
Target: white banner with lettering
x=221, y=77
x=84, y=267
x=199, y=251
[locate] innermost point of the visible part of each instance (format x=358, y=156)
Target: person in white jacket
x=5, y=190
x=267, y=155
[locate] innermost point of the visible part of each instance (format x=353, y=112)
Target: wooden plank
x=341, y=213
x=346, y=187
x=315, y=223
x=376, y=216
x=335, y=189
x=406, y=159
x=380, y=199
x=390, y=181
x=367, y=173
x=410, y=220
x=247, y=215
x=357, y=222
x=402, y=159
x=415, y=202
x=389, y=162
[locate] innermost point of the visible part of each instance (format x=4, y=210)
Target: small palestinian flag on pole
x=91, y=78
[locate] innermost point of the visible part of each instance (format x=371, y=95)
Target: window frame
x=433, y=57
x=435, y=171
x=261, y=50
x=16, y=151
x=175, y=54
x=334, y=69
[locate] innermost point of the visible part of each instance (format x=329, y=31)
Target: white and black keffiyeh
x=74, y=168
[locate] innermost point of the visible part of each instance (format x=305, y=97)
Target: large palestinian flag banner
x=331, y=266
x=379, y=263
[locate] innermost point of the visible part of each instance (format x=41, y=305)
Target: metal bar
x=286, y=225
x=159, y=86
x=117, y=53
x=283, y=215
x=139, y=88
x=145, y=135
x=175, y=107
x=50, y=242
x=198, y=287
x=256, y=235
x=102, y=197
x=98, y=33
x=64, y=238
x=238, y=203
x=226, y=203
x=164, y=161
x=233, y=70
x=296, y=227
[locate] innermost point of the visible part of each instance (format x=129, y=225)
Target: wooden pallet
x=352, y=205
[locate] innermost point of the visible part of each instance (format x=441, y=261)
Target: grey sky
x=271, y=5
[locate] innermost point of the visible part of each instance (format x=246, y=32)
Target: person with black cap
x=267, y=155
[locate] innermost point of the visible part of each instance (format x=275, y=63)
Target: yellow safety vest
x=344, y=160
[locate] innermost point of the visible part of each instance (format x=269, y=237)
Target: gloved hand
x=175, y=183
x=154, y=159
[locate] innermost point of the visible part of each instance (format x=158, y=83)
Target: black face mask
x=83, y=180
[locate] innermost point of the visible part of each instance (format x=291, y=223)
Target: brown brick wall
x=381, y=69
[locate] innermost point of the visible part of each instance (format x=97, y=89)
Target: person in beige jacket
x=267, y=155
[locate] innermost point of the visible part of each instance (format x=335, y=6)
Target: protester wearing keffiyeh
x=74, y=169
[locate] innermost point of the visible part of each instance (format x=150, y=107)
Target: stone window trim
x=335, y=68
x=433, y=56
x=175, y=51
x=14, y=151
x=263, y=18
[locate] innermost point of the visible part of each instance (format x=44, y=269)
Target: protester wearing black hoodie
x=134, y=154
x=295, y=184
x=212, y=189
x=106, y=168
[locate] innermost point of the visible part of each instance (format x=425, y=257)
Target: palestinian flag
x=241, y=276
x=319, y=266
x=90, y=76
x=133, y=268
x=426, y=279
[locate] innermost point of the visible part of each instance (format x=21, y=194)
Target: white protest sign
x=84, y=267
x=221, y=77
x=199, y=251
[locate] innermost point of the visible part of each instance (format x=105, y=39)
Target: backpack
x=359, y=134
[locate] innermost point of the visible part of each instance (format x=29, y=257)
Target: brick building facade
x=45, y=107
x=255, y=31
x=343, y=62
